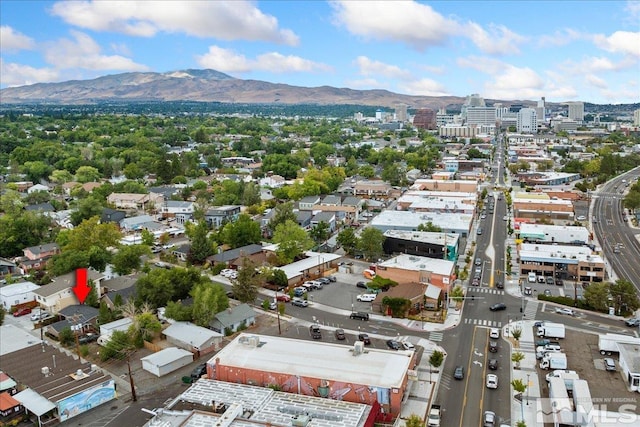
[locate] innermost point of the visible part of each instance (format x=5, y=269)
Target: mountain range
x=209, y=86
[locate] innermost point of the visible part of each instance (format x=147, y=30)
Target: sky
x=511, y=50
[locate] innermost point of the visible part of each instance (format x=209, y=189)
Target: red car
x=21, y=312
x=283, y=298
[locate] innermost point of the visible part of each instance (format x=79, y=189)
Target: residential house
x=80, y=318
x=7, y=267
x=331, y=200
x=273, y=181
x=36, y=257
x=181, y=211
x=7, y=384
x=90, y=186
x=228, y=321
x=193, y=338
x=57, y=295
x=182, y=252
x=16, y=294
x=22, y=186
x=307, y=203
x=328, y=218
x=133, y=201
x=68, y=187
x=220, y=215
x=124, y=286
x=43, y=208
x=303, y=218
x=135, y=223
x=232, y=257
x=37, y=187
x=11, y=410
x=372, y=188
x=112, y=215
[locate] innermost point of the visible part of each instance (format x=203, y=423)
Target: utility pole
x=133, y=387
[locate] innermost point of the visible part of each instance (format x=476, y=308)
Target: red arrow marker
x=81, y=289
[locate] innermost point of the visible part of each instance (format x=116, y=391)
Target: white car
x=566, y=311
x=494, y=333
x=492, y=381
x=581, y=218
x=407, y=345
x=504, y=218
x=366, y=297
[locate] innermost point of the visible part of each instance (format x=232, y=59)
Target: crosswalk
x=481, y=290
x=530, y=309
x=483, y=322
x=436, y=336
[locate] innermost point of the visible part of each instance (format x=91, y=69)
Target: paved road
x=611, y=229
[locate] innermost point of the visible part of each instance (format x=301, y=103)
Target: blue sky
x=566, y=51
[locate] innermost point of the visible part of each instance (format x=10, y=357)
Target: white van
x=366, y=297
x=532, y=277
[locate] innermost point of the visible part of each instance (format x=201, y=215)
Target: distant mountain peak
x=208, y=74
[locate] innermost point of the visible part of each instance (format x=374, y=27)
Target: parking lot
x=567, y=289
x=607, y=388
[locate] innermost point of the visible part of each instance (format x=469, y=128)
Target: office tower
x=425, y=118
x=541, y=109
x=636, y=118
x=401, y=113
x=527, y=121
x=576, y=111
x=481, y=116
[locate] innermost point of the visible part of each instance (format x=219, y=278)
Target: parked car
x=299, y=291
x=407, y=345
x=332, y=278
x=393, y=345
x=550, y=280
x=22, y=312
x=359, y=315
x=314, y=331
x=361, y=285
x=528, y=290
x=199, y=371
x=366, y=297
x=39, y=315
x=540, y=279
x=364, y=338
x=633, y=321
x=340, y=334
x=87, y=338
x=478, y=261
x=492, y=381
x=609, y=364
x=458, y=373
x=559, y=282
x=494, y=333
x=323, y=280
x=283, y=298
x=498, y=307
x=547, y=292
x=299, y=302
x=493, y=364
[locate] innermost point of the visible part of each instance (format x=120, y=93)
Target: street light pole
x=528, y=389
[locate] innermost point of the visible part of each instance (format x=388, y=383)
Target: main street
x=612, y=231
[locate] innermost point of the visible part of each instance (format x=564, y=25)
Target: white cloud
x=12, y=74
x=594, y=64
x=559, y=38
x=364, y=84
x=13, y=40
x=236, y=20
x=84, y=53
x=415, y=24
x=515, y=83
x=499, y=40
x=368, y=67
x=229, y=61
x=633, y=9
x=624, y=42
x=596, y=81
x=482, y=64
x=433, y=69
x=423, y=87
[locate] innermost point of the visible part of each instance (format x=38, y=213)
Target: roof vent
x=358, y=348
x=45, y=371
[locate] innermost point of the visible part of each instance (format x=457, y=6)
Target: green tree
x=292, y=241
x=279, y=278
x=201, y=246
x=283, y=212
x=176, y=310
x=60, y=176
x=414, y=421
x=348, y=240
x=245, y=286
x=66, y=336
x=36, y=170
x=145, y=326
x=104, y=314
x=87, y=174
x=147, y=237
x=457, y=293
x=429, y=226
x=23, y=230
x=518, y=385
x=117, y=347
x=3, y=313
x=129, y=258
x=436, y=359
x=517, y=357
x=86, y=209
x=208, y=300
x=244, y=231
x=516, y=333
x=597, y=296
x=251, y=194
x=320, y=232
x=625, y=297
x=370, y=243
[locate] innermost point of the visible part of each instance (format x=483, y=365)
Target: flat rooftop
x=530, y=251
x=405, y=220
x=436, y=238
x=333, y=362
x=420, y=263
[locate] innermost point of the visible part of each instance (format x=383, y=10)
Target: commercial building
x=442, y=185
x=410, y=221
x=332, y=371
x=480, y=116
x=543, y=209
x=422, y=243
x=578, y=263
x=527, y=121
x=544, y=233
x=425, y=118
x=576, y=111
x=406, y=268
x=424, y=202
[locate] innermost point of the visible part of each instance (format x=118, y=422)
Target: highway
x=611, y=230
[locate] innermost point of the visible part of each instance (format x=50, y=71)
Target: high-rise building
x=541, y=109
x=576, y=111
x=636, y=118
x=481, y=116
x=473, y=100
x=527, y=121
x=443, y=118
x=425, y=118
x=401, y=113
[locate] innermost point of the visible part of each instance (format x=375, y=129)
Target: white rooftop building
x=442, y=267
x=544, y=233
x=565, y=254
x=409, y=221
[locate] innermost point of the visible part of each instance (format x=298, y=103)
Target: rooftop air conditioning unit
x=45, y=370
x=358, y=348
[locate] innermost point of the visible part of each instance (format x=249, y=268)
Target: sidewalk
x=527, y=408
